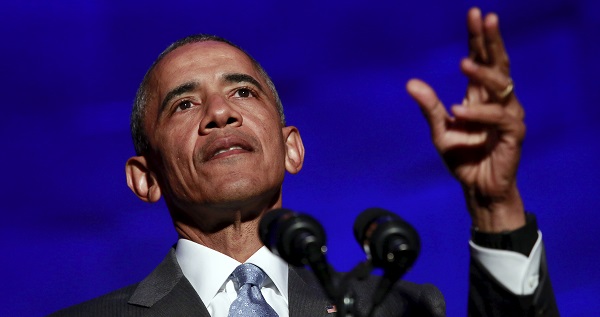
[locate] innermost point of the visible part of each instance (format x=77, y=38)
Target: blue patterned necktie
x=250, y=301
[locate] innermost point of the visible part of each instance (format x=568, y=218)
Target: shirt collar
x=208, y=270
x=274, y=266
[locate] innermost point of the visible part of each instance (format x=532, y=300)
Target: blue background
x=72, y=230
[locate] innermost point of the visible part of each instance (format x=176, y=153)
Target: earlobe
x=294, y=156
x=141, y=180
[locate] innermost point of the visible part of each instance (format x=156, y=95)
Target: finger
x=461, y=137
x=430, y=105
x=495, y=115
x=477, y=50
x=494, y=43
x=492, y=79
x=475, y=95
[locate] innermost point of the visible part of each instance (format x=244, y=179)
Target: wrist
x=520, y=240
x=494, y=214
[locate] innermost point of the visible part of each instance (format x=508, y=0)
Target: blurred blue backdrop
x=72, y=230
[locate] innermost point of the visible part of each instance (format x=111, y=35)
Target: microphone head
x=291, y=235
x=389, y=241
x=365, y=220
x=265, y=227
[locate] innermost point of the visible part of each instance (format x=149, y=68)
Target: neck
x=239, y=240
x=231, y=231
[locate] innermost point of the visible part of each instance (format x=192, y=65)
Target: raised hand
x=480, y=141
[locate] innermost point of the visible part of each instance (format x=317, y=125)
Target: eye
x=184, y=105
x=244, y=92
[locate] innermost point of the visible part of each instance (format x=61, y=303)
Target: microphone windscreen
x=292, y=236
x=265, y=227
x=365, y=220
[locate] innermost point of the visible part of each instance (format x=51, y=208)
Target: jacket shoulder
x=112, y=304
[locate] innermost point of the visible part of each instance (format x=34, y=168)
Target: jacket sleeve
x=487, y=297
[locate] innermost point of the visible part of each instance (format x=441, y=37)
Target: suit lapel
x=166, y=292
x=306, y=298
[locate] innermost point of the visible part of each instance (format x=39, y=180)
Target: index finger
x=477, y=47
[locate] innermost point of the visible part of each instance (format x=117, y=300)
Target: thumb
x=432, y=108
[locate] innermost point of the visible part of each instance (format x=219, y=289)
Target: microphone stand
x=346, y=301
x=320, y=268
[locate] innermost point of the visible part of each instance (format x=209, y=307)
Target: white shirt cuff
x=513, y=270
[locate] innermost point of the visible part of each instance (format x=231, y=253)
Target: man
x=211, y=138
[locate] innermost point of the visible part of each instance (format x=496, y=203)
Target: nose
x=219, y=114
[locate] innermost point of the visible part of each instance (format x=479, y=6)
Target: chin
x=245, y=194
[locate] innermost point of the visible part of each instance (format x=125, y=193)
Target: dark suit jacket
x=166, y=292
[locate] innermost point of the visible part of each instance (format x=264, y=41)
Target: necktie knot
x=248, y=273
x=250, y=301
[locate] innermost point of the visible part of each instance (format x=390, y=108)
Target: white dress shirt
x=209, y=273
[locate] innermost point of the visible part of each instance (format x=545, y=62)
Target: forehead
x=201, y=59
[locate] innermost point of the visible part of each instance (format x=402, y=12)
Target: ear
x=141, y=180
x=294, y=155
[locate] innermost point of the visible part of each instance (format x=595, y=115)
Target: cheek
x=276, y=149
x=270, y=135
x=179, y=135
x=267, y=119
x=177, y=152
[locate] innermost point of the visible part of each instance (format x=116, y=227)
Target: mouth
x=232, y=148
x=227, y=146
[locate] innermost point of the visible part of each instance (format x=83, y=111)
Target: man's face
x=214, y=129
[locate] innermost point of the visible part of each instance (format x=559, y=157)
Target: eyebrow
x=177, y=91
x=241, y=78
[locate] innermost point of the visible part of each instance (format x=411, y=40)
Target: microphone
x=299, y=239
x=390, y=243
